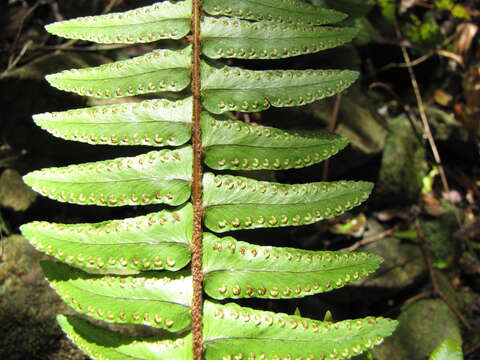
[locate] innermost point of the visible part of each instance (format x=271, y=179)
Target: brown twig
x=415, y=62
x=13, y=59
x=331, y=128
x=417, y=297
x=457, y=58
x=472, y=350
x=433, y=279
x=371, y=239
x=424, y=4
x=19, y=56
x=423, y=115
x=110, y=6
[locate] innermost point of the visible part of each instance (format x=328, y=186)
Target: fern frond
x=158, y=122
x=235, y=203
x=283, y=11
x=115, y=265
x=152, y=242
x=158, y=177
x=163, y=20
x=232, y=331
x=102, y=344
x=232, y=38
x=157, y=71
x=236, y=269
x=155, y=299
x=235, y=145
x=236, y=89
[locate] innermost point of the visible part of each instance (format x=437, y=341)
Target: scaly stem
x=197, y=273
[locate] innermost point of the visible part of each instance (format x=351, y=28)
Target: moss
x=403, y=166
x=439, y=236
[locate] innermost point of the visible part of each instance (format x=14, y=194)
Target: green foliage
x=234, y=203
x=159, y=70
x=278, y=11
x=447, y=350
x=235, y=89
x=422, y=30
x=456, y=10
x=135, y=270
x=230, y=144
x=152, y=122
x=388, y=9
x=235, y=269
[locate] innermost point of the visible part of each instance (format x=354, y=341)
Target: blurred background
x=413, y=119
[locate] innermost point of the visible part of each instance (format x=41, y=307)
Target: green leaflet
x=236, y=269
x=234, y=332
x=102, y=344
x=157, y=71
x=158, y=177
x=447, y=350
x=235, y=145
x=231, y=38
x=153, y=242
x=152, y=122
x=163, y=20
x=235, y=203
x=284, y=11
x=156, y=299
x=236, y=89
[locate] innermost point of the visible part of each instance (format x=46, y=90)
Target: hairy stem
x=197, y=273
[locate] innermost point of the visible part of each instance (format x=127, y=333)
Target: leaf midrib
x=184, y=244
x=115, y=181
x=266, y=89
x=332, y=197
x=63, y=122
x=123, y=298
x=90, y=26
x=118, y=77
x=346, y=267
x=336, y=340
x=286, y=147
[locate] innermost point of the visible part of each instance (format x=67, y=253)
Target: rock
x=423, y=326
x=439, y=236
x=14, y=193
x=444, y=125
x=455, y=142
x=403, y=262
x=28, y=308
x=403, y=267
x=403, y=166
x=357, y=120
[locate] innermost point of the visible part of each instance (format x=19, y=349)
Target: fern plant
x=136, y=270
